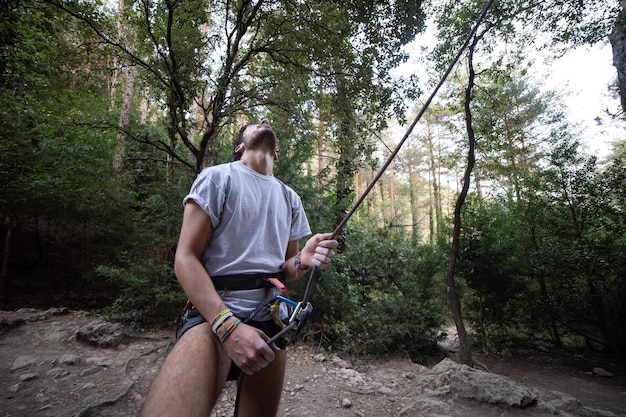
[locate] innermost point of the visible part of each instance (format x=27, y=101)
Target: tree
x=51, y=160
x=618, y=42
x=455, y=17
x=573, y=23
x=221, y=63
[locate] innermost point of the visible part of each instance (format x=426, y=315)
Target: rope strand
x=344, y=221
x=393, y=154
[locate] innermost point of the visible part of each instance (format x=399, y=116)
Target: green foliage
x=550, y=264
x=141, y=301
x=572, y=22
x=381, y=295
x=142, y=264
x=544, y=257
x=490, y=263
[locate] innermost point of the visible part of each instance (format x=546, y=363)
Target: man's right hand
x=248, y=348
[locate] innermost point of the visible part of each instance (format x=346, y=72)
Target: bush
x=380, y=295
x=141, y=301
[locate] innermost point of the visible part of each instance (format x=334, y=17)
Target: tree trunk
x=392, y=211
x=618, y=42
x=465, y=352
x=553, y=325
x=436, y=200
x=414, y=204
x=597, y=305
x=127, y=101
x=320, y=152
x=346, y=166
x=145, y=106
x=127, y=107
x=4, y=273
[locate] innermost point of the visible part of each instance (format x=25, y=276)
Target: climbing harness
x=303, y=309
x=298, y=312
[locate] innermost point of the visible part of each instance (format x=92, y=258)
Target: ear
x=275, y=156
x=240, y=148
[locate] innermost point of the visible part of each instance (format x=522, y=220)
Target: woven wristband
x=230, y=330
x=297, y=263
x=220, y=319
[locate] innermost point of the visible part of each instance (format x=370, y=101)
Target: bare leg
x=191, y=378
x=260, y=393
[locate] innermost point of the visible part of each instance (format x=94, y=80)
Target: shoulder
x=217, y=174
x=290, y=194
x=218, y=170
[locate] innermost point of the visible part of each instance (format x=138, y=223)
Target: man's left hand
x=319, y=250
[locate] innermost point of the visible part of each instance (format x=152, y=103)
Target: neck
x=261, y=162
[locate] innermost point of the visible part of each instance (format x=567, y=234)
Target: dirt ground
x=47, y=372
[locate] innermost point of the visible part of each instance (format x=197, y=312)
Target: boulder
x=102, y=333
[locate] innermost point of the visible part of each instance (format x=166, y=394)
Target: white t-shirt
x=254, y=217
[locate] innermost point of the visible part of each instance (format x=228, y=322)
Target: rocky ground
x=61, y=363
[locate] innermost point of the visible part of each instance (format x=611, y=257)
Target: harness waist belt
x=238, y=282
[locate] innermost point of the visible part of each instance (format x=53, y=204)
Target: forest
x=492, y=217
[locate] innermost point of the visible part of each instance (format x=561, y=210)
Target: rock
x=33, y=315
x=28, y=376
x=593, y=412
x=463, y=381
x=90, y=371
x=346, y=403
x=102, y=333
x=386, y=391
x=354, y=379
x=69, y=359
x=340, y=362
x=601, y=372
x=88, y=385
x=27, y=310
x=426, y=406
x=102, y=361
x=319, y=357
x=57, y=372
x=490, y=388
x=14, y=388
x=554, y=402
x=558, y=403
x=11, y=322
x=23, y=362
x=58, y=311
x=42, y=398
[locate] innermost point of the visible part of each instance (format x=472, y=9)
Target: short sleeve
x=208, y=193
x=299, y=222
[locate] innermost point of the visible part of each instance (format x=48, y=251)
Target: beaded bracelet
x=230, y=330
x=220, y=319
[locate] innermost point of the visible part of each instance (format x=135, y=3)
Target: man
x=238, y=219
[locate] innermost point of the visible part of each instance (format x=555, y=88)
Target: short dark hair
x=238, y=141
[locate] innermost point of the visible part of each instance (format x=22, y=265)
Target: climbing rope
x=304, y=308
x=344, y=221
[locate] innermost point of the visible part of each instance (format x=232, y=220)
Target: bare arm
x=245, y=346
x=194, y=235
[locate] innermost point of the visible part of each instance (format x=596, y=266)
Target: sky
x=582, y=74
x=586, y=73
